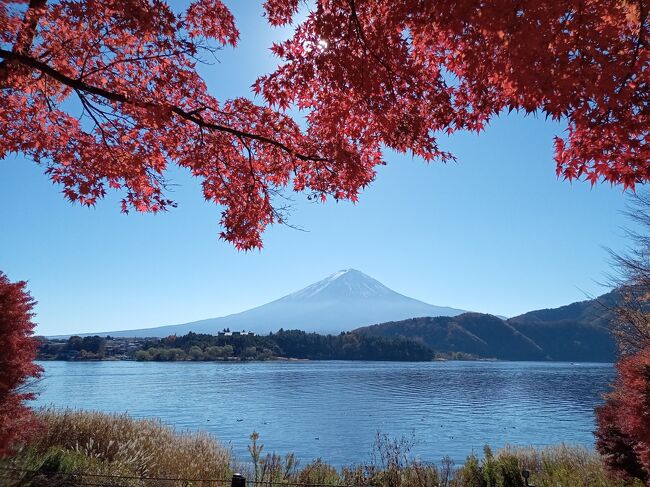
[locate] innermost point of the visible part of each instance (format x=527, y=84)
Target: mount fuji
x=345, y=300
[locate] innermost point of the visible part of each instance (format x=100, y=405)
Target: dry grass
x=116, y=444
x=562, y=465
x=88, y=443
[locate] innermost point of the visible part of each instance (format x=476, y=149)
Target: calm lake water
x=335, y=409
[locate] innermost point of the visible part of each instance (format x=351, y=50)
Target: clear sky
x=495, y=232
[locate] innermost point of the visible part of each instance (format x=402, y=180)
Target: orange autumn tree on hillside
x=105, y=94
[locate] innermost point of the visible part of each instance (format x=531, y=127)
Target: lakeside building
x=235, y=333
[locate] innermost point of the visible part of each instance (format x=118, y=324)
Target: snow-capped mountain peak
x=343, y=301
x=345, y=284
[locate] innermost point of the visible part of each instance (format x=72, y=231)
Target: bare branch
x=631, y=326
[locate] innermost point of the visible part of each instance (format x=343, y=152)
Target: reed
x=116, y=444
x=570, y=466
x=84, y=444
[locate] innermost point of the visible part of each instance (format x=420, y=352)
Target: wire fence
x=82, y=478
x=19, y=477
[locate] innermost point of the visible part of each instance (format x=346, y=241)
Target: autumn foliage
x=105, y=94
x=623, y=431
x=17, y=352
x=623, y=434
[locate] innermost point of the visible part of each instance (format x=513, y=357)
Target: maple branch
x=132, y=60
x=640, y=42
x=80, y=85
x=26, y=36
x=362, y=37
x=364, y=41
x=89, y=109
x=96, y=44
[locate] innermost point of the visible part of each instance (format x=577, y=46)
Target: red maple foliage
x=623, y=422
x=17, y=353
x=370, y=74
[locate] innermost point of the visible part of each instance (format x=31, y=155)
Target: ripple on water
x=334, y=409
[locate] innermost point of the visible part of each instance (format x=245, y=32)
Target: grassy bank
x=86, y=448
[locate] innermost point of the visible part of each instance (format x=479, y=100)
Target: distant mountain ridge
x=344, y=300
x=577, y=332
x=351, y=300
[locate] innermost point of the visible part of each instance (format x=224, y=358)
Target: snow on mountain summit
x=344, y=284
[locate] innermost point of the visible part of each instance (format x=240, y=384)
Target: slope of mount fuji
x=345, y=300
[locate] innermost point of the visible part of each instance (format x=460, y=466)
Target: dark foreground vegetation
x=292, y=344
x=82, y=448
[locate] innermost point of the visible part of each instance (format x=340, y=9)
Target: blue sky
x=495, y=232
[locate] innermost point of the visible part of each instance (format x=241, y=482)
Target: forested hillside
x=577, y=332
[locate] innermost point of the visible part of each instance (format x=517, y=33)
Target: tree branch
x=79, y=85
x=26, y=36
x=640, y=43
x=364, y=42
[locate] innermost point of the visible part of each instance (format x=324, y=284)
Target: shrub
x=470, y=474
x=272, y=467
x=142, y=356
x=623, y=431
x=17, y=354
x=196, y=353
x=568, y=466
x=319, y=472
x=502, y=470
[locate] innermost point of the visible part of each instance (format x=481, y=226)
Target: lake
x=334, y=409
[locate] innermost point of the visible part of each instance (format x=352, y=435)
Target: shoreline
x=306, y=360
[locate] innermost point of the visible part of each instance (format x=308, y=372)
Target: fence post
x=526, y=474
x=238, y=480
